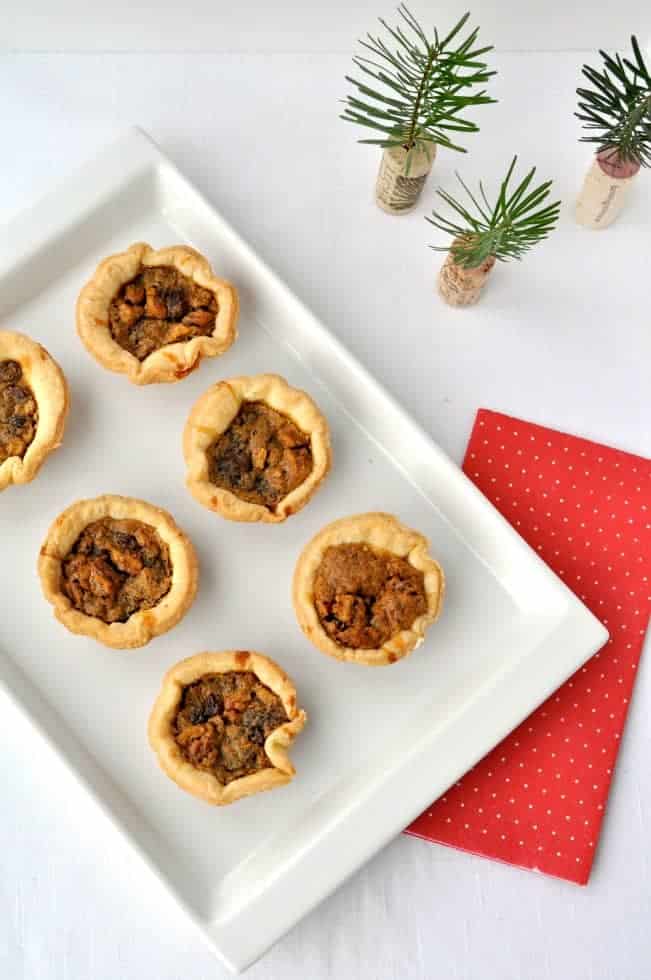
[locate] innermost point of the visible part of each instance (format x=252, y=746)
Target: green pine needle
x=618, y=107
x=417, y=90
x=504, y=230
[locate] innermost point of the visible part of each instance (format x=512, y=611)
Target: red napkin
x=537, y=800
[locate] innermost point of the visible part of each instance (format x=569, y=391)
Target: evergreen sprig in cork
x=484, y=233
x=616, y=114
x=414, y=93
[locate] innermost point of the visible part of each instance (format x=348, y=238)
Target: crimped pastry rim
x=145, y=624
x=50, y=389
x=211, y=415
x=169, y=363
x=204, y=784
x=382, y=532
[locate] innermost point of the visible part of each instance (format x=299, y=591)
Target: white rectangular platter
x=380, y=744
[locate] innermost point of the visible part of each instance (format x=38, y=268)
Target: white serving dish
x=381, y=743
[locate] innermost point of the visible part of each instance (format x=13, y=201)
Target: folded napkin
x=537, y=800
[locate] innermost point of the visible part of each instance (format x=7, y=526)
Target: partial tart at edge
x=231, y=714
x=34, y=404
x=366, y=589
x=119, y=570
x=153, y=315
x=256, y=449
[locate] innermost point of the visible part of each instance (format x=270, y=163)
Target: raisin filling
x=364, y=597
x=116, y=568
x=261, y=457
x=223, y=721
x=18, y=412
x=160, y=306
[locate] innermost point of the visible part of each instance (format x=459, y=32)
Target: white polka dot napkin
x=538, y=799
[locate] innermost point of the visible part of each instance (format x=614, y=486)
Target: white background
x=563, y=339
x=291, y=25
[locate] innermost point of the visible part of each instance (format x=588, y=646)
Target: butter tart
x=222, y=723
x=365, y=589
x=256, y=449
x=34, y=402
x=153, y=315
x=118, y=570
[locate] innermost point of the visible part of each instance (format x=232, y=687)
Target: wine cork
x=462, y=287
x=604, y=190
x=398, y=189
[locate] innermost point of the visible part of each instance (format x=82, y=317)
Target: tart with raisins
x=153, y=315
x=222, y=724
x=256, y=449
x=366, y=589
x=118, y=570
x=34, y=402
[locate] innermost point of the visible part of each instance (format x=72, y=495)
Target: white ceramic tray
x=381, y=743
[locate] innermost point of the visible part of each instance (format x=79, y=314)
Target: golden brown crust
x=213, y=413
x=50, y=388
x=383, y=532
x=145, y=624
x=172, y=362
x=202, y=783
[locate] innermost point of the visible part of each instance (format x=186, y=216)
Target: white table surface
x=563, y=339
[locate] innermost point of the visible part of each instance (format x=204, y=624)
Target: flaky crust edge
x=385, y=532
x=170, y=363
x=213, y=413
x=50, y=389
x=144, y=625
x=204, y=784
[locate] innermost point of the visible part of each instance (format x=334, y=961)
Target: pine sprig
x=618, y=107
x=420, y=88
x=504, y=230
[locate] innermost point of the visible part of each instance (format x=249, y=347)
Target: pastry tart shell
x=213, y=413
x=382, y=532
x=202, y=783
x=169, y=363
x=144, y=624
x=50, y=389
